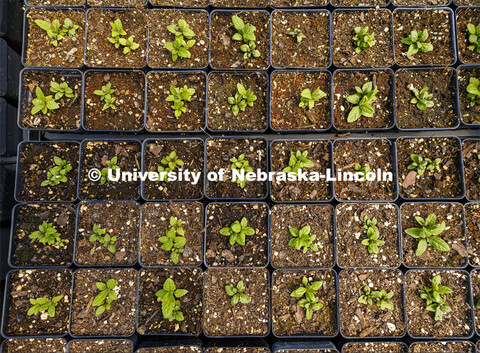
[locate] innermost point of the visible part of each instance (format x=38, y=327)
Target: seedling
x=104, y=238
x=238, y=231
x=106, y=296
x=417, y=42
x=473, y=90
x=363, y=171
x=237, y=294
x=383, y=298
x=56, y=32
x=243, y=98
x=427, y=234
x=117, y=39
x=169, y=296
x=172, y=162
x=474, y=37
x=298, y=160
x=47, y=235
x=183, y=40
x=245, y=33
x=111, y=165
x=57, y=174
x=61, y=89
x=70, y=28
x=128, y=45
x=435, y=298
x=372, y=242
x=302, y=239
x=308, y=99
x=43, y=103
x=422, y=98
x=174, y=240
x=241, y=164
x=362, y=101
x=478, y=303
x=178, y=95
x=362, y=39
x=41, y=305
x=420, y=164
x=311, y=302
x=105, y=95
x=298, y=34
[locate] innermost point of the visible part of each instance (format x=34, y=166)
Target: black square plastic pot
x=174, y=345
x=367, y=345
x=475, y=298
x=296, y=4
x=65, y=3
x=10, y=66
x=449, y=346
x=92, y=3
x=10, y=135
x=300, y=346
x=471, y=212
x=428, y=3
x=129, y=343
x=463, y=36
x=242, y=345
x=11, y=23
x=462, y=95
x=60, y=344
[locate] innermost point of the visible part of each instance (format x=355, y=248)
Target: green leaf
x=439, y=244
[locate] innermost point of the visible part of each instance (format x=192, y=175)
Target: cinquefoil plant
x=240, y=164
x=43, y=103
x=169, y=296
x=41, y=305
x=238, y=231
x=383, y=298
x=111, y=165
x=106, y=297
x=104, y=238
x=372, y=242
x=417, y=42
x=302, y=239
x=308, y=99
x=57, y=174
x=362, y=39
x=311, y=302
x=422, y=98
x=56, y=32
x=237, y=293
x=435, y=298
x=473, y=90
x=298, y=160
x=245, y=33
x=243, y=98
x=362, y=101
x=474, y=37
x=47, y=235
x=428, y=234
x=174, y=240
x=420, y=164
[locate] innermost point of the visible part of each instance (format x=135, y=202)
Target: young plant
x=117, y=39
x=302, y=238
x=372, y=242
x=104, y=238
x=106, y=296
x=237, y=294
x=128, y=45
x=241, y=164
x=417, y=42
x=311, y=302
x=383, y=298
x=238, y=231
x=362, y=39
x=478, y=303
x=70, y=28
x=474, y=37
x=61, y=89
x=298, y=34
x=56, y=32
x=47, y=235
x=105, y=95
x=174, y=240
x=428, y=234
x=420, y=164
x=245, y=33
x=41, y=305
x=473, y=90
x=298, y=160
x=169, y=296
x=171, y=161
x=362, y=101
x=243, y=98
x=57, y=174
x=363, y=171
x=422, y=98
x=111, y=165
x=308, y=99
x=183, y=40
x=43, y=103
x=178, y=96
x=435, y=298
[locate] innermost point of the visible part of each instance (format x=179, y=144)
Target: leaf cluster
x=428, y=234
x=243, y=98
x=104, y=238
x=174, y=240
x=422, y=98
x=178, y=96
x=435, y=297
x=245, y=33
x=372, y=242
x=311, y=302
x=237, y=293
x=241, y=163
x=57, y=174
x=298, y=34
x=302, y=239
x=117, y=39
x=473, y=90
x=111, y=165
x=183, y=40
x=47, y=235
x=363, y=170
x=171, y=162
x=417, y=42
x=56, y=31
x=61, y=89
x=420, y=164
x=362, y=101
x=238, y=231
x=106, y=95
x=41, y=305
x=362, y=39
x=298, y=160
x=169, y=296
x=382, y=297
x=474, y=37
x=308, y=99
x=43, y=103
x=106, y=297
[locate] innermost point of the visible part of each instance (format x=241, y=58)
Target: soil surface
x=454, y=235
x=120, y=319
x=116, y=3
x=441, y=83
x=468, y=114
x=33, y=284
x=240, y=3
x=432, y=184
x=363, y=320
x=377, y=347
x=219, y=252
x=128, y=114
x=286, y=88
x=464, y=17
x=467, y=2
x=36, y=159
x=350, y=219
x=35, y=345
x=221, y=86
x=472, y=229
x=150, y=317
x=372, y=3
x=39, y=51
x=442, y=347
x=298, y=3
x=312, y=51
x=379, y=22
x=156, y=220
x=344, y=86
x=237, y=350
x=225, y=53
x=174, y=349
x=475, y=275
x=419, y=3
x=421, y=323
x=55, y=3
x=319, y=218
x=27, y=220
x=68, y=116
x=221, y=318
x=100, y=346
x=438, y=22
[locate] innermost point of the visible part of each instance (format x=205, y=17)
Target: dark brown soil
x=359, y=2
x=441, y=83
x=298, y=3
x=286, y=88
x=472, y=229
x=464, y=17
x=27, y=220
x=159, y=56
x=36, y=159
x=319, y=218
x=377, y=347
x=240, y=3
x=95, y=154
x=442, y=347
x=222, y=85
x=344, y=86
x=219, y=252
x=33, y=284
x=100, y=346
x=101, y=53
x=468, y=114
x=161, y=116
x=432, y=184
x=475, y=275
x=288, y=318
x=55, y=3
x=312, y=51
x=454, y=235
x=438, y=22
x=219, y=152
x=307, y=351
x=419, y=3
x=35, y=345
x=120, y=319
x=130, y=99
x=120, y=219
x=421, y=323
x=374, y=152
x=173, y=349
x=190, y=152
x=116, y=3
x=68, y=116
x=221, y=318
x=236, y=350
x=150, y=317
x=39, y=51
x=319, y=152
x=225, y=53
x=379, y=22
x=350, y=233
x=362, y=320
x=466, y=2
x=156, y=220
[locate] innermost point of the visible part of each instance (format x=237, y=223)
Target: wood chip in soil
x=34, y=345
x=377, y=347
x=100, y=346
x=472, y=229
x=468, y=114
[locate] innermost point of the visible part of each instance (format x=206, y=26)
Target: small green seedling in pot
x=117, y=39
x=298, y=34
x=311, y=302
x=61, y=89
x=478, y=303
x=243, y=98
x=105, y=95
x=56, y=32
x=238, y=231
x=372, y=242
x=41, y=305
x=362, y=101
x=106, y=297
x=128, y=45
x=302, y=238
x=428, y=233
x=473, y=37
x=417, y=42
x=104, y=238
x=298, y=160
x=174, y=240
x=178, y=96
x=57, y=174
x=111, y=165
x=362, y=39
x=420, y=164
x=308, y=99
x=363, y=171
x=169, y=296
x=242, y=165
x=473, y=90
x=237, y=293
x=171, y=162
x=422, y=98
x=382, y=297
x=47, y=235
x=435, y=297
x=245, y=33
x=43, y=103
x=183, y=40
